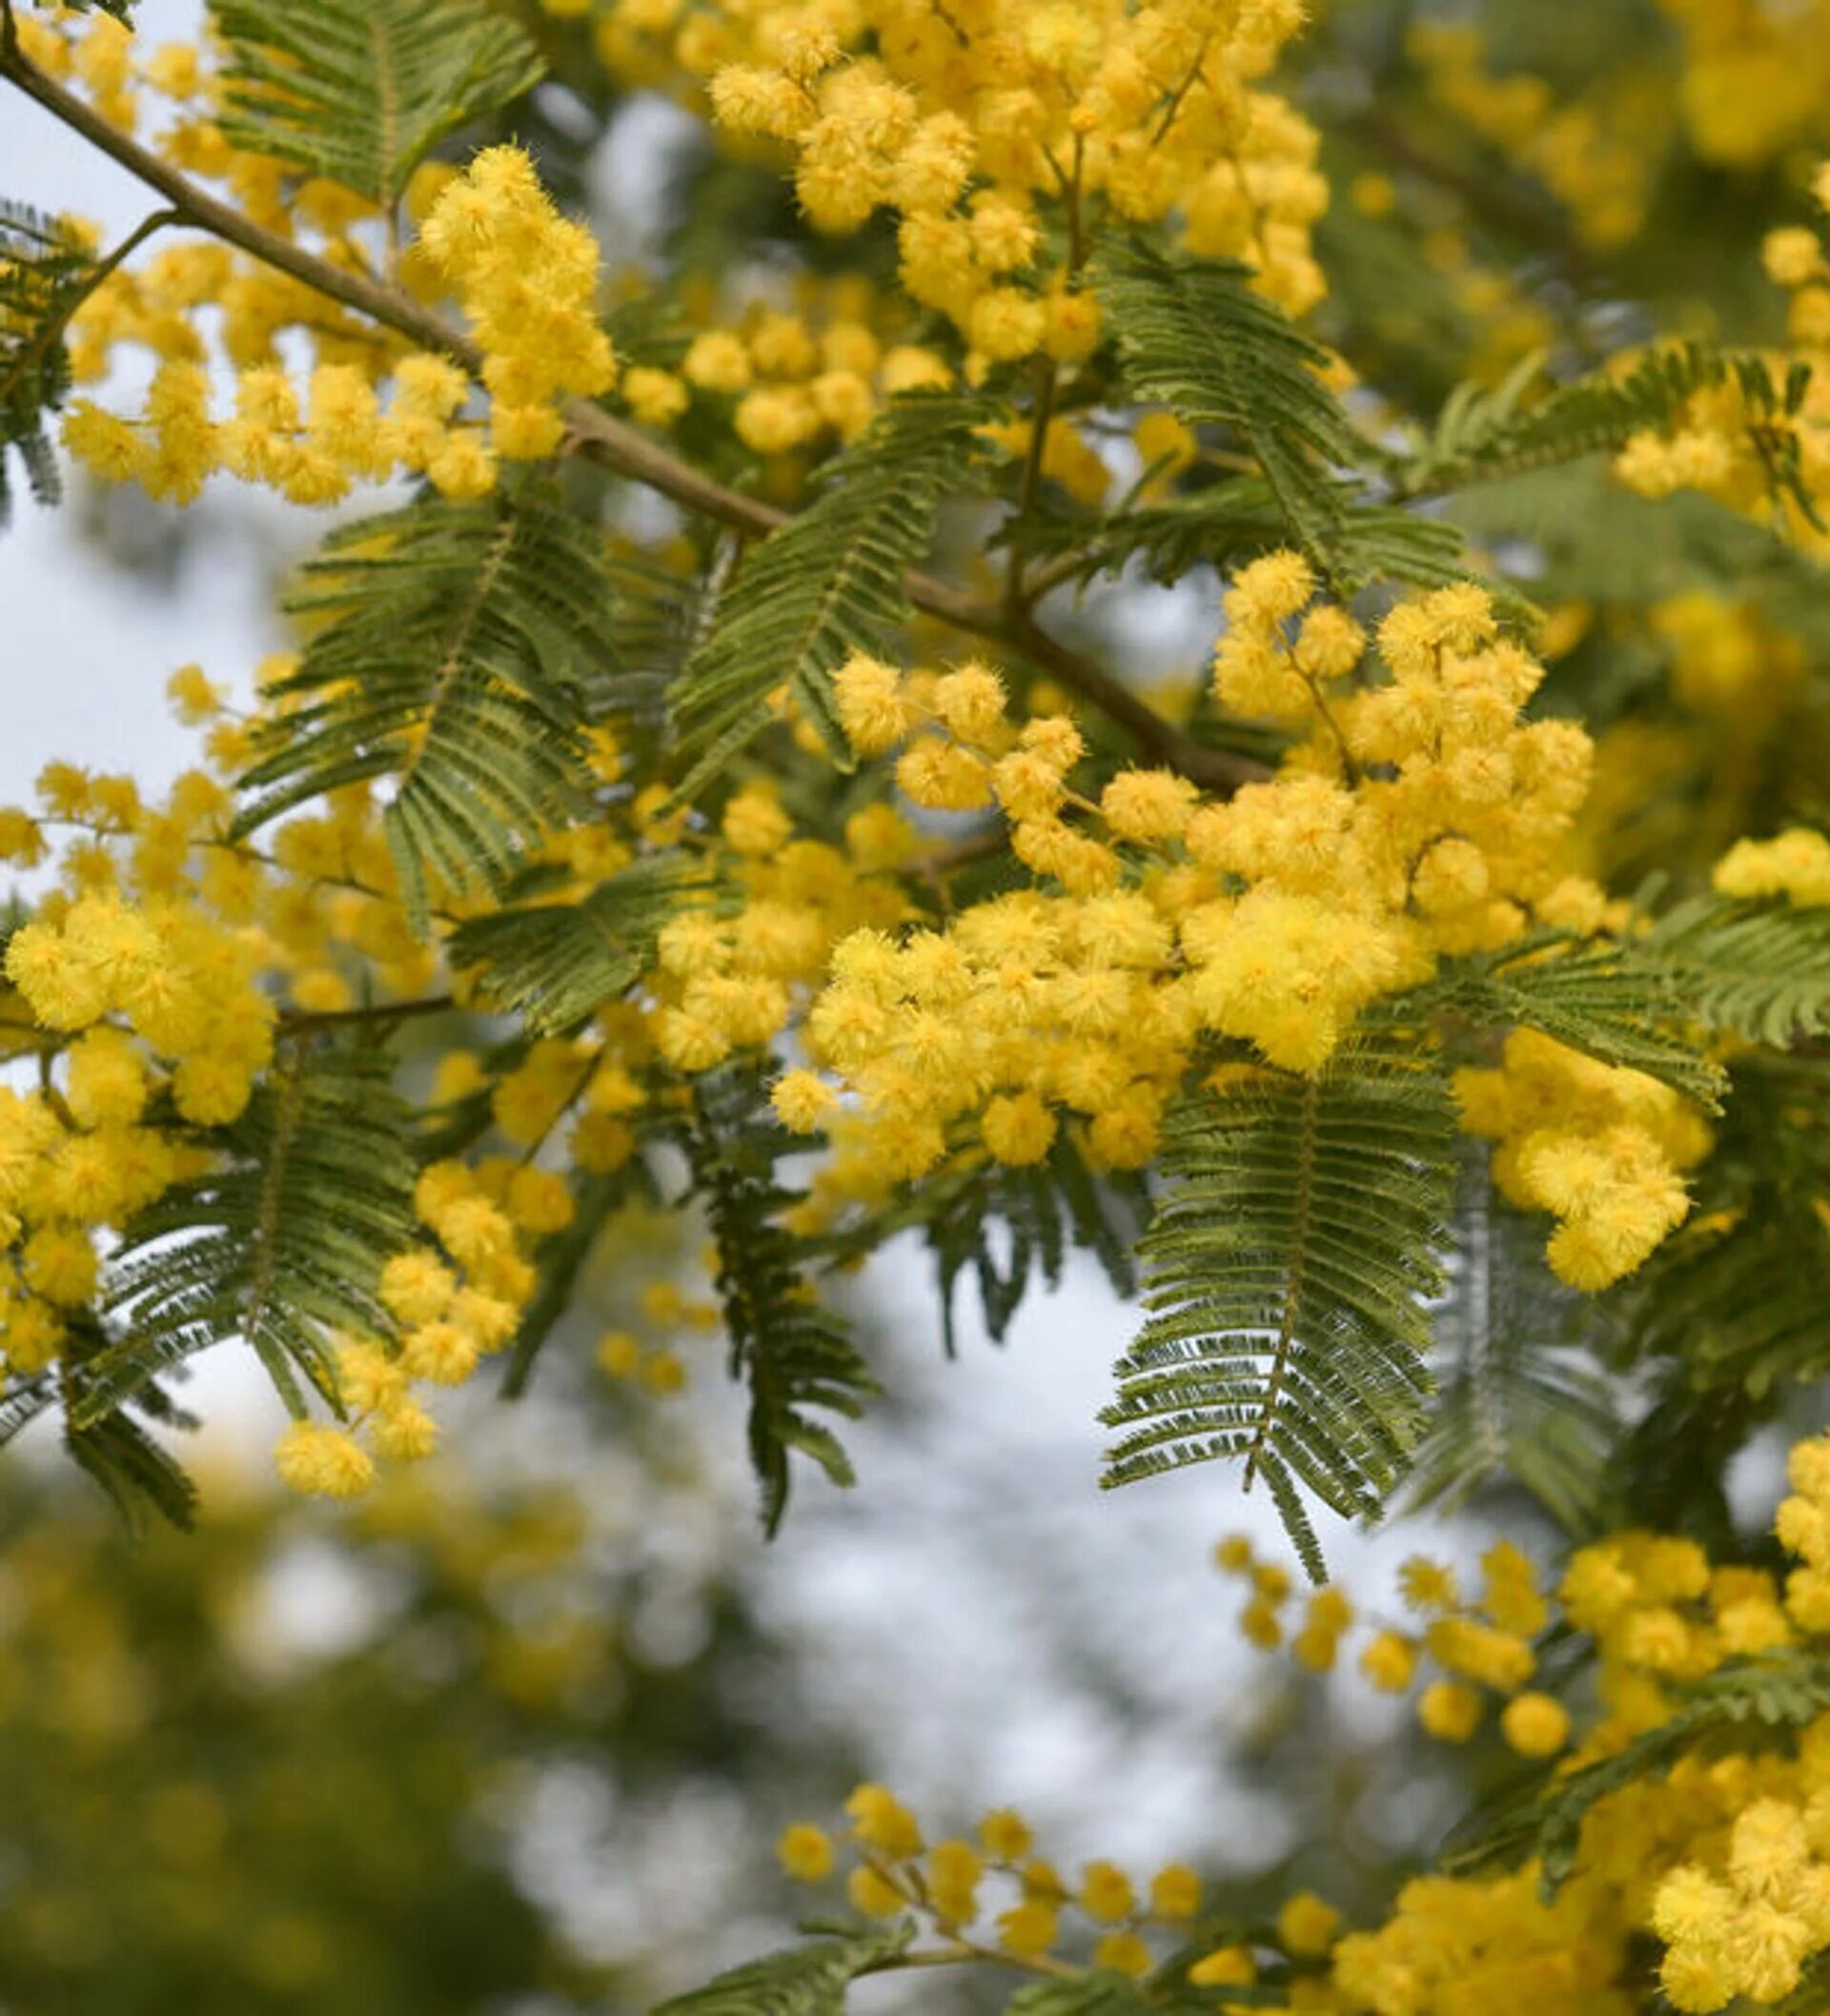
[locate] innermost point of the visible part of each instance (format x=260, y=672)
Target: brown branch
x=303, y=1022
x=609, y=441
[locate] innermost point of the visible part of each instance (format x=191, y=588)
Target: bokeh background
x=517, y=1736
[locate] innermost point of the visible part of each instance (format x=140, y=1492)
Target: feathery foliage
x=555, y=964
x=136, y=1472
x=279, y=1243
x=1288, y=1269
x=829, y=583
x=45, y=272
x=358, y=90
x=1193, y=336
x=1605, y=1000
x=800, y=1981
x=1235, y=519
x=1095, y=1994
x=1485, y=433
x=1762, y=970
x=455, y=648
x=1518, y=1399
x=1739, y=1296
x=791, y=1353
x=1007, y=1227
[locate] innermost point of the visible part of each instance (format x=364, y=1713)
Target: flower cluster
x=1731, y=445
x=526, y=278
x=799, y=379
x=1795, y=865
x=1599, y=1146
x=1418, y=816
x=1595, y=156
x=1755, y=79
x=367, y=407
x=1483, y=1644
x=1724, y=1857
x=942, y=1889
x=992, y=141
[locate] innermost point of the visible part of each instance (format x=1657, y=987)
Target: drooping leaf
x=45, y=272
x=1762, y=970
x=1288, y=1273
x=808, y=1980
x=1519, y=1399
x=279, y=1244
x=791, y=1353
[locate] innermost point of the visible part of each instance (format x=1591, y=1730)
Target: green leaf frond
x=808, y=1980
x=1289, y=1270
x=829, y=583
x=1608, y=1001
x=1749, y=1707
x=135, y=1471
x=279, y=1244
x=1518, y=1399
x=1762, y=970
x=1193, y=336
x=358, y=90
x=791, y=1353
x=455, y=648
x=1098, y=1993
x=1486, y=432
x=556, y=964
x=1739, y=1296
x=1007, y=1228
x=44, y=273
x=1235, y=519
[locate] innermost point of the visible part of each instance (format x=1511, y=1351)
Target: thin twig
x=303, y=1022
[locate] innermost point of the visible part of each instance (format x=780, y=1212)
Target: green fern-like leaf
x=808, y=1980
x=358, y=90
x=1749, y=1707
x=1229, y=523
x=280, y=1243
x=44, y=273
x=791, y=1353
x=829, y=583
x=1288, y=1268
x=1485, y=434
x=1518, y=1400
x=1762, y=970
x=556, y=964
x=1098, y=1993
x=454, y=647
x=1609, y=1001
x=1008, y=1229
x=1739, y=1296
x=1194, y=336
x=135, y=1472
